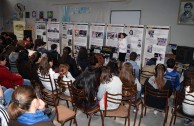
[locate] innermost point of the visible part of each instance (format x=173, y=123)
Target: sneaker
x=187, y=122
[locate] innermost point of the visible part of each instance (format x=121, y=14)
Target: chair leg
x=90, y=117
x=75, y=120
x=102, y=117
x=141, y=115
x=171, y=119
x=70, y=122
x=174, y=119
x=137, y=109
x=145, y=111
x=125, y=121
x=67, y=103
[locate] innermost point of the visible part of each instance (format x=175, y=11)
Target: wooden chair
x=80, y=94
x=136, y=102
x=159, y=95
x=123, y=111
x=177, y=111
x=63, y=114
x=145, y=75
x=62, y=87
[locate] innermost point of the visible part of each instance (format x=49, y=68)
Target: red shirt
x=9, y=79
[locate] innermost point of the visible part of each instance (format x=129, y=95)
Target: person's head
x=44, y=66
x=122, y=35
x=170, y=63
x=159, y=73
x=106, y=75
x=83, y=53
x=133, y=56
x=23, y=99
x=113, y=66
x=54, y=47
x=27, y=38
x=93, y=61
x=30, y=46
x=188, y=78
x=151, y=61
x=35, y=57
x=65, y=55
x=63, y=70
x=126, y=74
x=37, y=43
x=3, y=60
x=67, y=50
x=42, y=44
x=188, y=7
x=22, y=57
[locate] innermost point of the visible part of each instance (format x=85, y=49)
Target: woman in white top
x=45, y=69
x=64, y=75
x=122, y=47
x=110, y=84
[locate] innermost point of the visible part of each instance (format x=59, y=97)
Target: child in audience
x=157, y=83
x=64, y=75
x=172, y=74
x=111, y=84
x=45, y=70
x=25, y=107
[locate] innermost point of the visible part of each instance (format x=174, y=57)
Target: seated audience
x=132, y=58
x=26, y=107
x=64, y=75
x=87, y=80
x=157, y=83
x=9, y=79
x=172, y=75
x=111, y=84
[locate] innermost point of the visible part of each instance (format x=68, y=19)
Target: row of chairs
x=128, y=99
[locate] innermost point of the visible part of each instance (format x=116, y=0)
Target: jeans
x=27, y=82
x=7, y=94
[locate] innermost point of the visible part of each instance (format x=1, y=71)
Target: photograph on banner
x=53, y=35
x=96, y=35
x=40, y=30
x=112, y=35
x=80, y=32
x=156, y=40
x=135, y=41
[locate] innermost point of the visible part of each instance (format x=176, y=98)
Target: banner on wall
x=156, y=40
x=112, y=34
x=53, y=35
x=135, y=34
x=96, y=35
x=80, y=36
x=67, y=31
x=18, y=28
x=40, y=28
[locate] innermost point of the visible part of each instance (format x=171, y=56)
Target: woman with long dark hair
x=82, y=58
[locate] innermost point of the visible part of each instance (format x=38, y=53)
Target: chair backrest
x=62, y=86
x=145, y=75
x=130, y=91
x=181, y=97
x=125, y=98
x=50, y=98
x=78, y=98
x=46, y=79
x=161, y=95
